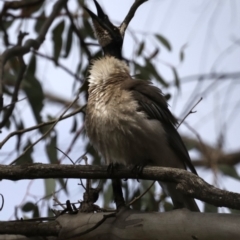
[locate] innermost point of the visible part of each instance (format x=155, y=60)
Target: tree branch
x=130, y=15
x=188, y=183
x=33, y=228
x=130, y=224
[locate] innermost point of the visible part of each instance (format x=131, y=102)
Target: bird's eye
x=115, y=29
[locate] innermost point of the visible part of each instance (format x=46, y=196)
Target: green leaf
x=31, y=207
x=36, y=212
x=210, y=208
x=40, y=22
x=90, y=150
x=50, y=212
x=19, y=126
x=164, y=41
x=50, y=185
x=26, y=158
x=229, y=171
x=167, y=206
x=182, y=54
x=148, y=201
x=142, y=72
x=28, y=207
x=74, y=126
x=234, y=211
x=68, y=43
x=7, y=24
x=8, y=123
x=32, y=66
x=57, y=39
x=176, y=78
x=33, y=90
x=51, y=150
x=53, y=159
x=141, y=47
x=149, y=67
x=87, y=31
x=108, y=195
x=167, y=96
x=137, y=205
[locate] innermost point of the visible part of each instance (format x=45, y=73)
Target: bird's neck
x=113, y=49
x=104, y=69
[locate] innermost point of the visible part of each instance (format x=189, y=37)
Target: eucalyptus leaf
x=210, y=208
x=164, y=42
x=229, y=171
x=51, y=150
x=57, y=39
x=176, y=78
x=68, y=42
x=50, y=185
x=28, y=207
x=33, y=90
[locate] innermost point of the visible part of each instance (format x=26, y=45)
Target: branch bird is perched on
x=128, y=120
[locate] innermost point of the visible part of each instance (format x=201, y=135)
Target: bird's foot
x=113, y=167
x=137, y=170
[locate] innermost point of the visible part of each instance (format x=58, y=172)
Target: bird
x=128, y=120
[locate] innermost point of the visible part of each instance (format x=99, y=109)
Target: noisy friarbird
x=128, y=120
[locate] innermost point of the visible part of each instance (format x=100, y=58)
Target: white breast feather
x=103, y=68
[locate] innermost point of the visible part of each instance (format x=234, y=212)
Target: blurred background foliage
x=60, y=66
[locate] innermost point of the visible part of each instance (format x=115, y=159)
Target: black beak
x=100, y=12
x=102, y=19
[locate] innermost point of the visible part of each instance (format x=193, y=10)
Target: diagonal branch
x=130, y=15
x=80, y=109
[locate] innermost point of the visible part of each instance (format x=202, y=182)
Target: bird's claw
x=137, y=169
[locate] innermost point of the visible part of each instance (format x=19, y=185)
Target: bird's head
x=109, y=36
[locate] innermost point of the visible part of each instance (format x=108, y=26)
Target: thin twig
x=65, y=155
x=190, y=112
x=10, y=104
x=141, y=195
x=204, y=148
x=46, y=133
x=58, y=65
x=105, y=217
x=39, y=126
x=72, y=143
x=208, y=76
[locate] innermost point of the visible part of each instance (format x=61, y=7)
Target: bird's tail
x=179, y=200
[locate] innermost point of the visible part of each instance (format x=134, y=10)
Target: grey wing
x=153, y=103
